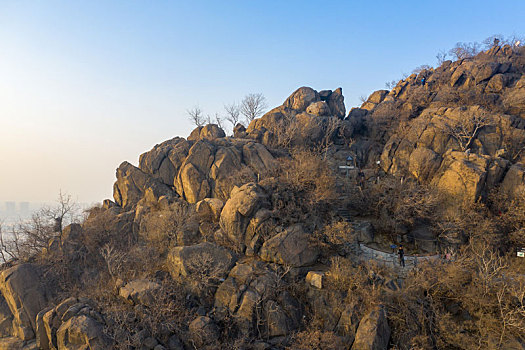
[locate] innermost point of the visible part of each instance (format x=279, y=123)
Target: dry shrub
x=335, y=237
x=308, y=173
x=475, y=301
x=318, y=340
x=302, y=189
x=396, y=203
x=360, y=283
x=166, y=315
x=176, y=224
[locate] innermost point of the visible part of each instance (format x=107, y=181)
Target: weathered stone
x=497, y=83
x=42, y=340
x=364, y=231
x=211, y=132
x=319, y=108
x=150, y=343
x=290, y=247
x=463, y=175
x=6, y=319
x=200, y=258
x=192, y=183
x=239, y=131
x=203, y=331
x=347, y=324
x=373, y=332
x=514, y=180
x=71, y=233
x=257, y=157
x=210, y=208
x=377, y=96
x=315, y=279
x=238, y=210
x=423, y=163
x=24, y=292
x=139, y=291
x=246, y=289
x=82, y=332
x=336, y=102
x=132, y=183
x=301, y=99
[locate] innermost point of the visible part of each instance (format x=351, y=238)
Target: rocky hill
x=260, y=241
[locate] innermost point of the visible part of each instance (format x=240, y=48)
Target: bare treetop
x=233, y=113
x=195, y=116
x=253, y=106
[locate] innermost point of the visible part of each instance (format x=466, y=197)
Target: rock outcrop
x=290, y=247
x=202, y=258
x=25, y=294
x=305, y=117
x=243, y=204
x=250, y=288
x=199, y=168
x=373, y=332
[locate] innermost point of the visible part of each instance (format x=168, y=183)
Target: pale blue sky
x=85, y=85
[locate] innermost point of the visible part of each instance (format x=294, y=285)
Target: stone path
x=391, y=260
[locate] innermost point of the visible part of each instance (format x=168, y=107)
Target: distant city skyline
x=87, y=85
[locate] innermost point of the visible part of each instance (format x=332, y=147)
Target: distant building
x=10, y=207
x=24, y=207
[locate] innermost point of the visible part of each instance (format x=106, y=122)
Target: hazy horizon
x=87, y=85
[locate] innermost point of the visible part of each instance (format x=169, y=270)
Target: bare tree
x=66, y=211
x=465, y=129
x=195, y=116
x=441, y=57
x=493, y=40
x=390, y=84
x=219, y=120
x=421, y=68
x=9, y=245
x=253, y=106
x=233, y=113
x=465, y=50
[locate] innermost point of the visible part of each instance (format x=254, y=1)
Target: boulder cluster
x=459, y=127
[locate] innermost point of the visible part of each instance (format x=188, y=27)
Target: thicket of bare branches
x=253, y=106
x=466, y=128
x=196, y=116
x=28, y=237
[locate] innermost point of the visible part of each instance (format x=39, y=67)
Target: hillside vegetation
x=261, y=241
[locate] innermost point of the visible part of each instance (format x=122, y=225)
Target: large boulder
x=201, y=258
x=373, y=332
x=244, y=202
x=319, y=108
x=72, y=324
x=209, y=209
x=423, y=163
x=132, y=183
x=290, y=247
x=82, y=332
x=227, y=162
x=301, y=98
x=203, y=331
x=6, y=319
x=463, y=175
x=336, y=102
x=258, y=158
x=165, y=159
x=514, y=180
x=140, y=291
x=250, y=289
x=192, y=181
x=25, y=294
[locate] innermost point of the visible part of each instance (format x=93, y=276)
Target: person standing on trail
x=361, y=178
x=401, y=254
